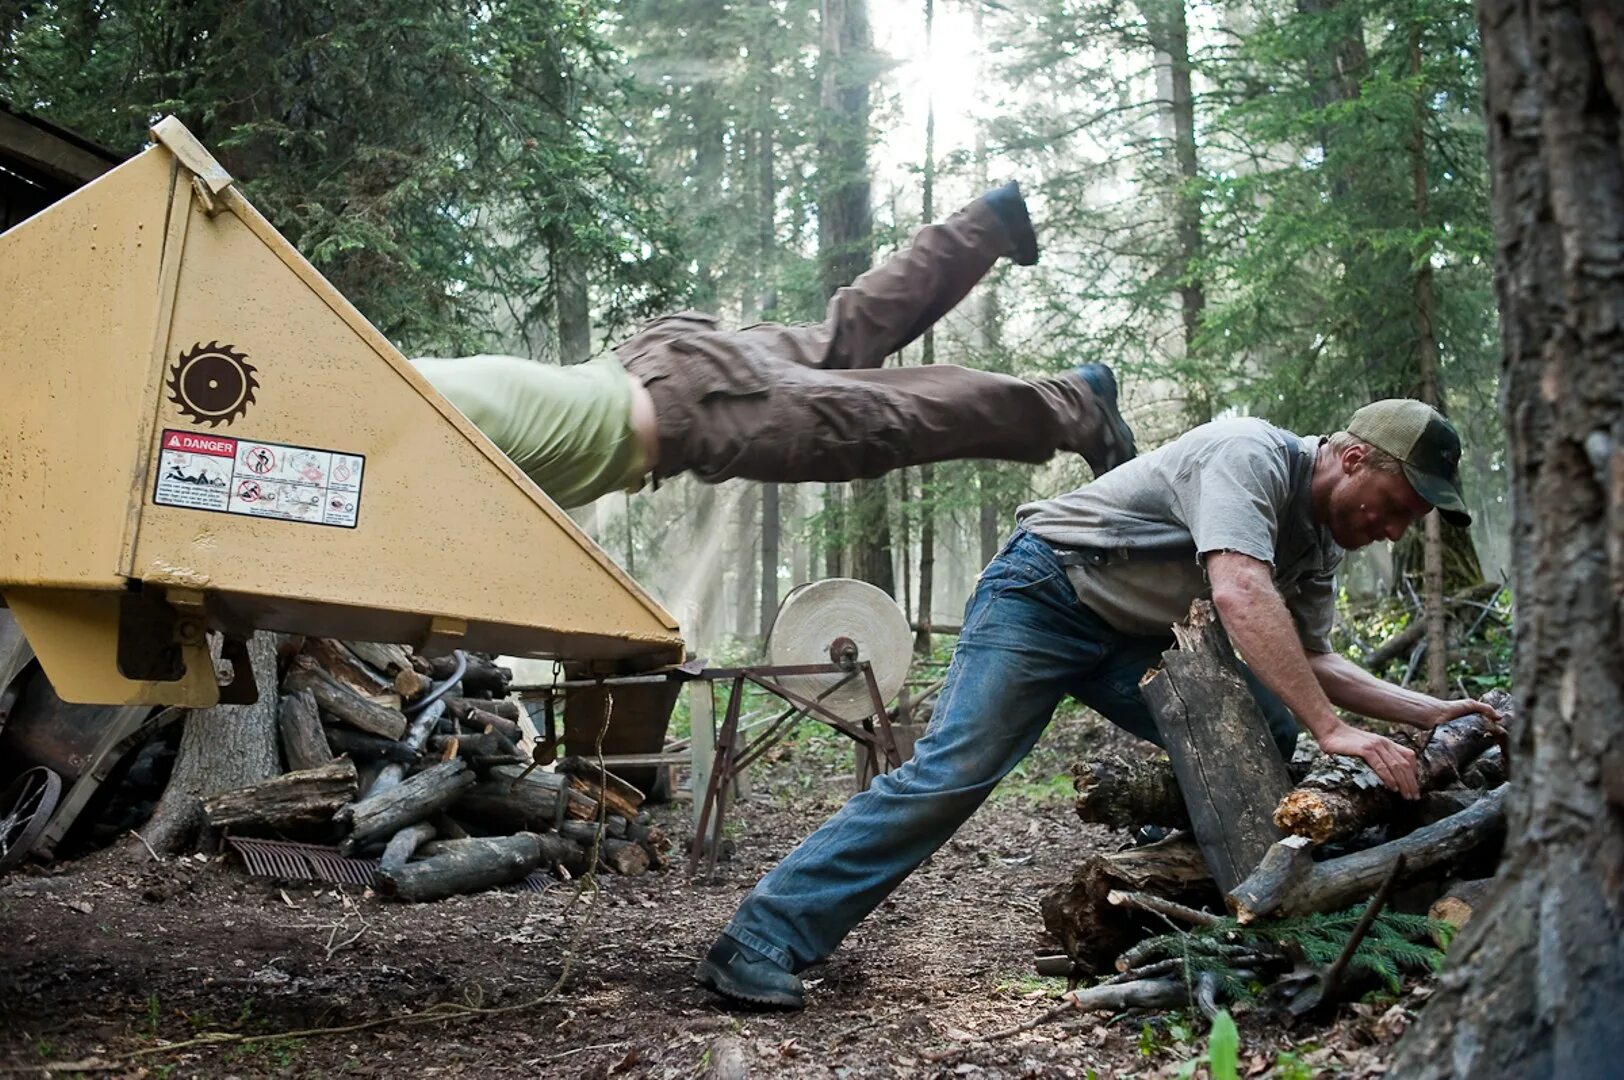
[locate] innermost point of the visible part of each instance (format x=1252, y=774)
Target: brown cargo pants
x=810, y=402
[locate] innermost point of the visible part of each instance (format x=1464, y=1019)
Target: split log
x=1289, y=882
x=1127, y=794
x=361, y=746
x=342, y=702
x=482, y=720
x=1092, y=930
x=1227, y=765
x=622, y=798
x=388, y=659
x=460, y=707
x=305, y=797
x=410, y=683
x=298, y=721
x=624, y=857
x=1343, y=797
x=1458, y=902
x=539, y=801
x=413, y=799
x=403, y=844
x=338, y=661
x=463, y=866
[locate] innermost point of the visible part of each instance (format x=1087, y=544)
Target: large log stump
x=1091, y=929
x=1289, y=882
x=306, y=797
x=1227, y=766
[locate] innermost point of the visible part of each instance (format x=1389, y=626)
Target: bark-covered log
x=539, y=801
x=1343, y=797
x=306, y=797
x=1227, y=765
x=385, y=658
x=298, y=721
x=363, y=747
x=1289, y=882
x=410, y=684
x=403, y=844
x=563, y=853
x=413, y=799
x=342, y=702
x=1092, y=930
x=1127, y=794
x=481, y=720
x=462, y=866
x=481, y=677
x=625, y=857
x=460, y=708
x=1488, y=771
x=487, y=746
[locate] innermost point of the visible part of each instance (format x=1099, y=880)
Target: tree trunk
x=927, y=356
x=223, y=748
x=1536, y=981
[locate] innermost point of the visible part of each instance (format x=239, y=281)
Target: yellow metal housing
x=131, y=306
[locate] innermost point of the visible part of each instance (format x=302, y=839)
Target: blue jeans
x=1027, y=643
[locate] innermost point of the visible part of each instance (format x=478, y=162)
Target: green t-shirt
x=568, y=428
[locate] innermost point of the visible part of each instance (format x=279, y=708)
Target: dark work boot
x=739, y=973
x=1007, y=203
x=1116, y=437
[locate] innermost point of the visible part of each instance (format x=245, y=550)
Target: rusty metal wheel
x=26, y=806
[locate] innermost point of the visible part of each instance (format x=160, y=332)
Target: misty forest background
x=1246, y=207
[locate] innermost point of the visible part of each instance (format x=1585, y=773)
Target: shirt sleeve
x=1231, y=497
x=1313, y=608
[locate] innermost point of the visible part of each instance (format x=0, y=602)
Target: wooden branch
x=460, y=708
x=1344, y=798
x=342, y=702
x=1227, y=765
x=1401, y=643
x=305, y=797
x=1289, y=882
x=298, y=721
x=1156, y=905
x=462, y=866
x=412, y=800
x=403, y=844
x=361, y=746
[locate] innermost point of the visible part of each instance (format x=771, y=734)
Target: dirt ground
x=106, y=962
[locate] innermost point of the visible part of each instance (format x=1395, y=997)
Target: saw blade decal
x=212, y=384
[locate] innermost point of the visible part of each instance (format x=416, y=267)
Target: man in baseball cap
x=1426, y=445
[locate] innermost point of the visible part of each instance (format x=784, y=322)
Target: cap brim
x=1443, y=495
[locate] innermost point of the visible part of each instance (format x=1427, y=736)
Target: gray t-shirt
x=1231, y=485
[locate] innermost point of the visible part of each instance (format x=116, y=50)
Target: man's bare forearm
x=1351, y=687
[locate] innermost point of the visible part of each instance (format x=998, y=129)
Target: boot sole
x=1105, y=389
x=712, y=978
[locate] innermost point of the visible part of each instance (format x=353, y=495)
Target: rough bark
x=306, y=797
x=1343, y=798
x=1227, y=766
x=1126, y=794
x=537, y=802
x=1091, y=929
x=342, y=702
x=462, y=866
x=380, y=816
x=1536, y=981
x=304, y=744
x=1289, y=882
x=226, y=747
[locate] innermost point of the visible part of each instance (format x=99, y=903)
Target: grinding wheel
x=828, y=621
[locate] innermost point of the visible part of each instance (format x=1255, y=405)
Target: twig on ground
x=1158, y=906
x=155, y=856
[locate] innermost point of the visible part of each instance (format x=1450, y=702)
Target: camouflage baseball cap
x=1426, y=444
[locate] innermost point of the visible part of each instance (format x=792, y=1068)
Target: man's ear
x=1353, y=458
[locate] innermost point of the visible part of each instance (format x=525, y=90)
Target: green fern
x=1394, y=943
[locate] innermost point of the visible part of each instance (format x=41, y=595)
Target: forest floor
x=108, y=964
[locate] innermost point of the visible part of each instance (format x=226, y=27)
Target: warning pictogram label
x=259, y=479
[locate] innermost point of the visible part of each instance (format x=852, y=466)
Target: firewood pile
x=1252, y=843
x=430, y=769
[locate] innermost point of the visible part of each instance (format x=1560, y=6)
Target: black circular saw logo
x=212, y=383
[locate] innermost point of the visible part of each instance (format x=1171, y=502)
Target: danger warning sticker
x=260, y=479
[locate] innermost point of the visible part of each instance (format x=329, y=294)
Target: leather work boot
x=1115, y=444
x=1007, y=203
x=741, y=974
